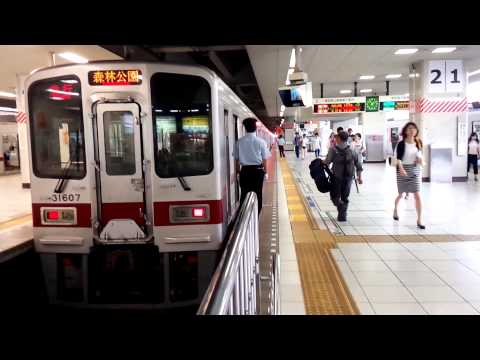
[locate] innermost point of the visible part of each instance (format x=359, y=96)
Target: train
x=133, y=180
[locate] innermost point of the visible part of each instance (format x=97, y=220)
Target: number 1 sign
x=445, y=76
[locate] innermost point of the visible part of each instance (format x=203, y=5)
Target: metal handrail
x=235, y=285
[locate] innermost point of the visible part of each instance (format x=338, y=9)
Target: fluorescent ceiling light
x=393, y=76
x=7, y=94
x=366, y=90
x=405, y=51
x=367, y=77
x=345, y=91
x=73, y=57
x=292, y=58
x=2, y=108
x=444, y=50
x=474, y=73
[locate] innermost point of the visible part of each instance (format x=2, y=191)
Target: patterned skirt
x=411, y=182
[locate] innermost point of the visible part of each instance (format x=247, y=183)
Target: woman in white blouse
x=408, y=157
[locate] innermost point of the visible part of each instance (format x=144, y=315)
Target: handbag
x=393, y=161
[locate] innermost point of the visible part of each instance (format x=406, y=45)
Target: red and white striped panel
x=21, y=117
x=424, y=105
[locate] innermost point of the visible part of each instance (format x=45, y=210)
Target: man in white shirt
x=251, y=154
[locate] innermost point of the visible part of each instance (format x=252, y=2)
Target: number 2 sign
x=445, y=76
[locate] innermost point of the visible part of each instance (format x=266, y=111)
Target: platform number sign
x=445, y=76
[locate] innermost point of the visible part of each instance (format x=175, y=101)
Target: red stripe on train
x=162, y=214
x=84, y=214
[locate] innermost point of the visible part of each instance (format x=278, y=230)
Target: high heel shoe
x=395, y=216
x=420, y=226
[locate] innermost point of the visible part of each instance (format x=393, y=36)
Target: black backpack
x=343, y=163
x=322, y=175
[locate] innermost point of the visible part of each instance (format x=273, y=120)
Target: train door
x=120, y=173
x=227, y=159
x=237, y=183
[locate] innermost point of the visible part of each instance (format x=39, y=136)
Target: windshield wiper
x=184, y=183
x=62, y=181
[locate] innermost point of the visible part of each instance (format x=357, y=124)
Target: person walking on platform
x=297, y=140
x=359, y=148
x=304, y=145
x=251, y=154
x=317, y=145
x=473, y=153
x=351, y=136
x=408, y=159
x=344, y=161
x=281, y=145
x=332, y=141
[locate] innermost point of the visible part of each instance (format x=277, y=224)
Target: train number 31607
x=65, y=197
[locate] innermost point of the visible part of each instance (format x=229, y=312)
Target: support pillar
x=22, y=129
x=438, y=106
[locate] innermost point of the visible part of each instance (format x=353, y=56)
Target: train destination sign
x=114, y=77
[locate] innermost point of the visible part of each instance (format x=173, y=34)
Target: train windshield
x=183, y=125
x=56, y=128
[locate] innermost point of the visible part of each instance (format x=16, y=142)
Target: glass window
x=118, y=127
x=183, y=125
x=56, y=128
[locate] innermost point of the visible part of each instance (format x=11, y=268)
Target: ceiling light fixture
x=345, y=91
x=366, y=90
x=405, y=51
x=7, y=94
x=444, y=50
x=367, y=77
x=292, y=58
x=73, y=57
x=393, y=76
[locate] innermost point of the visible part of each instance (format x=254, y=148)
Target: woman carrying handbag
x=408, y=160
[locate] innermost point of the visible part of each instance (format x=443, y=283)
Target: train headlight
x=189, y=213
x=58, y=216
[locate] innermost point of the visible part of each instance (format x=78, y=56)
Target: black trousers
x=297, y=151
x=339, y=195
x=251, y=179
x=282, y=150
x=473, y=160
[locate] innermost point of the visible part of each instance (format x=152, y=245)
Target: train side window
x=182, y=125
x=119, y=142
x=56, y=128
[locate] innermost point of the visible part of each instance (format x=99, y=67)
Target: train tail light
x=189, y=213
x=52, y=215
x=198, y=212
x=58, y=216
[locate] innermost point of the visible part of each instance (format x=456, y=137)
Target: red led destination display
x=114, y=77
x=338, y=108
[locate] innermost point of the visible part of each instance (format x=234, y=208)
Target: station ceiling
x=338, y=66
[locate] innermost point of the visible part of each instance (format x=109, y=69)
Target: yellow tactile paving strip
x=324, y=290
x=16, y=221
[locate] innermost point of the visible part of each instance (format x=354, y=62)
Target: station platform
x=15, y=217
x=372, y=264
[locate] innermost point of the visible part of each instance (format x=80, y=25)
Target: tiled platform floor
x=392, y=267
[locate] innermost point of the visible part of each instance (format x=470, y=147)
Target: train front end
x=126, y=201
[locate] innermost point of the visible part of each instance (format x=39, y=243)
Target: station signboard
x=339, y=105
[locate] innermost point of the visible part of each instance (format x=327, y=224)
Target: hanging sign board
x=445, y=76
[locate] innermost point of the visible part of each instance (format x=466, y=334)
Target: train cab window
x=119, y=142
x=56, y=128
x=183, y=125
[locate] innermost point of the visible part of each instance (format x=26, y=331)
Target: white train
x=133, y=180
